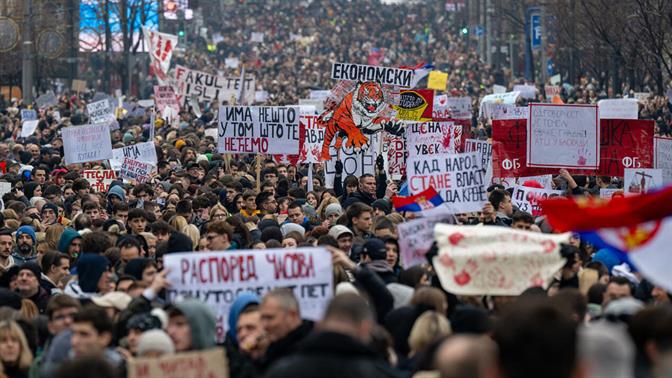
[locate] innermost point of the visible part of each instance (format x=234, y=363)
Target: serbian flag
x=638, y=226
x=420, y=71
x=425, y=200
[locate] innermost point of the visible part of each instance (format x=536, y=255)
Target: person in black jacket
x=339, y=348
x=281, y=319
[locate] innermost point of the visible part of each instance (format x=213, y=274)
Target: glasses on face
x=219, y=216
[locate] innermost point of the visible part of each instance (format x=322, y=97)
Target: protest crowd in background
x=151, y=236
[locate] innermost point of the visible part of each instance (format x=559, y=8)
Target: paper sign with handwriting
x=87, y=143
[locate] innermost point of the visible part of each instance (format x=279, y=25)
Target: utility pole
x=72, y=56
x=544, y=59
x=489, y=32
x=28, y=58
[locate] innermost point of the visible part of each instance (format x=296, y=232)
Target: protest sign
x=146, y=103
x=312, y=142
x=46, y=100
x=28, y=114
x=231, y=63
x=259, y=129
x=28, y=127
x=563, y=136
x=608, y=193
x=164, y=97
x=509, y=149
x=495, y=260
x=437, y=80
x=217, y=278
x=257, y=37
x=363, y=73
x=354, y=163
x=556, y=79
x=209, y=363
x=136, y=171
x=100, y=112
x=528, y=199
x=415, y=105
x=504, y=111
x=508, y=98
x=309, y=106
x=484, y=149
x=416, y=237
x=497, y=89
x=427, y=138
x=144, y=152
x=211, y=132
x=621, y=108
x=639, y=180
x=209, y=87
x=451, y=107
x=395, y=153
x=458, y=178
x=99, y=179
x=552, y=90
x=260, y=97
x=528, y=92
x=663, y=158
x=321, y=94
x=86, y=143
x=78, y=85
x=641, y=96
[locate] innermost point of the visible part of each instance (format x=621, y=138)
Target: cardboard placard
x=100, y=179
x=210, y=363
x=363, y=73
x=209, y=87
x=86, y=143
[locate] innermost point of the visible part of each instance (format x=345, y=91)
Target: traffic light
x=180, y=33
x=465, y=30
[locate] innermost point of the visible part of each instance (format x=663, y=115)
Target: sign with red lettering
x=210, y=363
x=528, y=199
x=429, y=138
x=217, y=278
x=416, y=237
x=458, y=178
x=208, y=87
x=136, y=171
x=164, y=97
x=395, y=152
x=99, y=180
x=259, y=129
x=623, y=144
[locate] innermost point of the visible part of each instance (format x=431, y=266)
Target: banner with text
x=165, y=97
x=416, y=237
x=528, y=199
x=458, y=178
x=484, y=149
x=259, y=129
x=663, y=158
x=209, y=87
x=144, y=152
x=100, y=112
x=384, y=75
x=563, y=136
x=99, y=179
x=217, y=278
x=451, y=107
x=86, y=143
x=210, y=363
x=136, y=171
x=618, y=108
x=415, y=105
x=429, y=138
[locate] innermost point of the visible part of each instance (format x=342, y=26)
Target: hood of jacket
x=66, y=239
x=116, y=190
x=201, y=322
x=243, y=300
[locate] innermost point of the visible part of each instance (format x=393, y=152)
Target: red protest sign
x=623, y=144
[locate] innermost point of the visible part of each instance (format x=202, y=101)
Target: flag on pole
x=420, y=71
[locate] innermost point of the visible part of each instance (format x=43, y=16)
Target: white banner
x=259, y=129
x=217, y=278
x=354, y=163
x=209, y=87
x=528, y=199
x=136, y=171
x=416, y=237
x=384, y=75
x=621, y=108
x=478, y=260
x=528, y=92
x=29, y=127
x=100, y=112
x=429, y=138
x=640, y=180
x=563, y=136
x=484, y=149
x=458, y=178
x=160, y=47
x=663, y=157
x=504, y=111
x=451, y=107
x=145, y=152
x=86, y=143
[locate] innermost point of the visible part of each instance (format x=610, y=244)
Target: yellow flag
x=437, y=80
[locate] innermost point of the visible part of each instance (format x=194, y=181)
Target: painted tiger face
x=370, y=96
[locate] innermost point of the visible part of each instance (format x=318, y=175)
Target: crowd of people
x=82, y=279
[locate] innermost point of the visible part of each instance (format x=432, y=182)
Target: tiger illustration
x=357, y=114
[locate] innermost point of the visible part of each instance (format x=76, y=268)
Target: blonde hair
x=220, y=208
x=10, y=329
x=323, y=206
x=428, y=327
x=29, y=309
x=180, y=223
x=53, y=235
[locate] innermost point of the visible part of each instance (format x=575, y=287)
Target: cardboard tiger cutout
x=363, y=111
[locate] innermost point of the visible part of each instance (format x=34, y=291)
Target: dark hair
x=201, y=202
x=82, y=221
x=90, y=206
x=364, y=176
x=161, y=227
x=136, y=213
x=52, y=258
x=536, y=339
x=294, y=205
x=357, y=209
x=327, y=240
x=596, y=293
x=120, y=206
x=95, y=242
x=221, y=228
x=522, y=216
x=84, y=366
x=571, y=301
x=261, y=198
x=97, y=316
x=59, y=302
x=621, y=281
x=497, y=197
x=183, y=207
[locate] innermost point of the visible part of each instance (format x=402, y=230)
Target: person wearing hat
x=70, y=243
x=374, y=257
x=25, y=245
x=49, y=214
x=155, y=343
x=381, y=207
x=332, y=212
x=344, y=236
x=28, y=285
x=113, y=302
x=137, y=325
